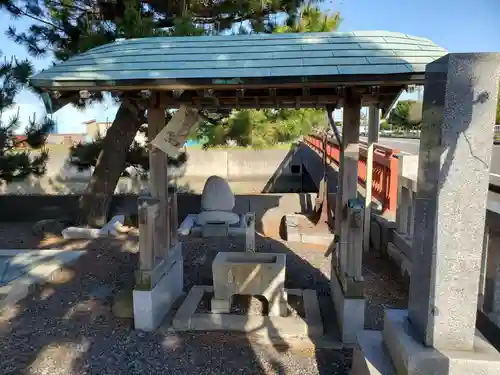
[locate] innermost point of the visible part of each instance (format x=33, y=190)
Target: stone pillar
x=346, y=273
x=437, y=335
x=373, y=130
x=455, y=149
x=158, y=179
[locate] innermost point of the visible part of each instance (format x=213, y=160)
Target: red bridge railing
x=385, y=168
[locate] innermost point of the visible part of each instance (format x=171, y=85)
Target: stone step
x=370, y=355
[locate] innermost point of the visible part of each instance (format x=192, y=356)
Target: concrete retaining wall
x=248, y=171
x=268, y=208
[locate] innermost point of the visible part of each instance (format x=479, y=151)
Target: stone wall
x=269, y=208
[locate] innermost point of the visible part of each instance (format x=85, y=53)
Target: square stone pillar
x=455, y=150
x=437, y=334
x=346, y=274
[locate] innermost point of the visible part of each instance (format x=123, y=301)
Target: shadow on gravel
x=67, y=326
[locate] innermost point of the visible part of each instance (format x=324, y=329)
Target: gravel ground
x=67, y=326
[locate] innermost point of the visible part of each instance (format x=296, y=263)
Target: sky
x=456, y=25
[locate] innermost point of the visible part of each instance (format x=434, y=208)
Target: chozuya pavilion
x=436, y=334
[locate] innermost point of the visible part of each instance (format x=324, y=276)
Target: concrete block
x=312, y=312
x=150, y=307
x=186, y=225
x=113, y=226
x=318, y=239
x=411, y=357
x=251, y=274
x=73, y=233
x=350, y=311
x=370, y=355
x=403, y=242
x=292, y=228
x=400, y=259
x=220, y=306
x=215, y=230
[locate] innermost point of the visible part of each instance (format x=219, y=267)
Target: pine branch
x=16, y=11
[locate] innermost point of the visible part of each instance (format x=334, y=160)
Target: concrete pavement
x=411, y=146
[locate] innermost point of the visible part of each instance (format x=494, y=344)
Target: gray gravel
x=67, y=327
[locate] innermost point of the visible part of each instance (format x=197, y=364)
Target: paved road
x=411, y=146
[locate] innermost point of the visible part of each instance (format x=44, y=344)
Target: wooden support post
x=173, y=215
x=373, y=129
x=148, y=211
x=350, y=242
x=158, y=178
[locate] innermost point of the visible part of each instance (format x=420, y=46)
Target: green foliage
x=407, y=115
x=310, y=20
x=260, y=128
x=16, y=164
x=384, y=125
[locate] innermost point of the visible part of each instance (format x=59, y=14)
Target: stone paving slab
x=18, y=288
x=271, y=328
x=14, y=264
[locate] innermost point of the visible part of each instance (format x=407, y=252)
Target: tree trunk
x=94, y=204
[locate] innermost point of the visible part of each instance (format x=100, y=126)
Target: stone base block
x=275, y=328
x=350, y=311
x=215, y=230
x=400, y=259
x=150, y=307
x=294, y=234
x=220, y=306
x=370, y=355
x=410, y=357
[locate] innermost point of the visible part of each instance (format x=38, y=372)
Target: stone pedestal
x=396, y=351
x=437, y=335
x=152, y=302
x=257, y=274
x=349, y=302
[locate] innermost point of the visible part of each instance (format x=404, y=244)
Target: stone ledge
x=411, y=357
x=293, y=233
x=400, y=259
x=270, y=327
x=21, y=287
x=370, y=355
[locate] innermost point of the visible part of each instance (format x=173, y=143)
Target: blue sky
x=457, y=25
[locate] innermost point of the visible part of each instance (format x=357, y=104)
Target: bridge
x=394, y=192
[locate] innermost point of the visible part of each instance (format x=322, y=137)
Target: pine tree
x=65, y=28
x=15, y=163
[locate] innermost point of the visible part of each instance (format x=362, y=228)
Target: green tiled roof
x=243, y=56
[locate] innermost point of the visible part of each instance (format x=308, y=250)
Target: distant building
x=65, y=139
x=96, y=129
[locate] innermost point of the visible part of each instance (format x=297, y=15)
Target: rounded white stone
x=217, y=195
